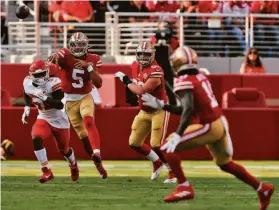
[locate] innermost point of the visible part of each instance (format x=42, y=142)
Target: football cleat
x=265, y=194
x=98, y=163
x=181, y=193
x=157, y=168
x=47, y=175
x=171, y=178
x=74, y=171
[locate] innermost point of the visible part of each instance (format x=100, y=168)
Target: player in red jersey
x=198, y=100
x=79, y=72
x=45, y=93
x=150, y=80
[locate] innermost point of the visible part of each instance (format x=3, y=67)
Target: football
x=22, y=11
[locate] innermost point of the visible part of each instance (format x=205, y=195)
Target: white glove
x=151, y=101
x=173, y=140
x=119, y=75
x=39, y=94
x=25, y=114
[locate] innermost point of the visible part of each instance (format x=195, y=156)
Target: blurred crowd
x=198, y=29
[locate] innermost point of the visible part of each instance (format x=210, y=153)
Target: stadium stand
x=244, y=97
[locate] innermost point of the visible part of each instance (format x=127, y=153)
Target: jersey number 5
x=207, y=87
x=78, y=78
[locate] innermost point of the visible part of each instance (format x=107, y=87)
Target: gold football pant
x=77, y=110
x=214, y=135
x=144, y=123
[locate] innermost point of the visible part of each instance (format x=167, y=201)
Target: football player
x=198, y=100
x=79, y=72
x=150, y=80
x=6, y=149
x=45, y=93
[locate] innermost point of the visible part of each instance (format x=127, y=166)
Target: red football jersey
x=76, y=80
x=206, y=107
x=151, y=71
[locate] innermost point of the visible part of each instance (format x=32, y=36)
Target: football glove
x=39, y=94
x=173, y=140
x=123, y=78
x=25, y=114
x=151, y=101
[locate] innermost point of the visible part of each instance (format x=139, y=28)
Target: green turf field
x=128, y=187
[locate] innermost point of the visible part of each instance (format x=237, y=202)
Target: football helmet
x=39, y=72
x=78, y=44
x=6, y=149
x=145, y=53
x=183, y=58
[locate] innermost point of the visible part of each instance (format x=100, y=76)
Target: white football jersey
x=54, y=117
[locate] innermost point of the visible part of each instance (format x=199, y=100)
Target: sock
x=153, y=156
x=240, y=172
x=184, y=184
x=42, y=157
x=168, y=167
x=175, y=165
x=70, y=156
x=87, y=146
x=144, y=149
x=93, y=134
x=161, y=156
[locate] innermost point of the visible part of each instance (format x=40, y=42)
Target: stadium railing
x=221, y=35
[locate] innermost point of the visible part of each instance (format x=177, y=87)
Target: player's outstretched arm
x=187, y=108
x=151, y=101
x=27, y=99
x=28, y=102
x=150, y=85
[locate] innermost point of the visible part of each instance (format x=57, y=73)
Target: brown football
x=22, y=11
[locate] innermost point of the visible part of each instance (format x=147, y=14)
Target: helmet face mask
x=39, y=72
x=145, y=53
x=40, y=78
x=78, y=44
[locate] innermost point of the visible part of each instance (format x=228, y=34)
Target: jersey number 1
x=207, y=87
x=78, y=78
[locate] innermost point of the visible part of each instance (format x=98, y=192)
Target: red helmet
x=78, y=44
x=39, y=72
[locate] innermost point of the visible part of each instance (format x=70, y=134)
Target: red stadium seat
x=244, y=97
x=5, y=98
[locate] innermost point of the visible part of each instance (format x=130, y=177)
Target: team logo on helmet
x=183, y=58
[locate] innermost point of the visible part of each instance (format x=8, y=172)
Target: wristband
x=90, y=68
x=127, y=80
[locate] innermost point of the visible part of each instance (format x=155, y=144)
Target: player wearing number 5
x=79, y=72
x=198, y=100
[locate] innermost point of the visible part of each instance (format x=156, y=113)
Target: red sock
x=240, y=172
x=160, y=154
x=144, y=149
x=93, y=133
x=175, y=164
